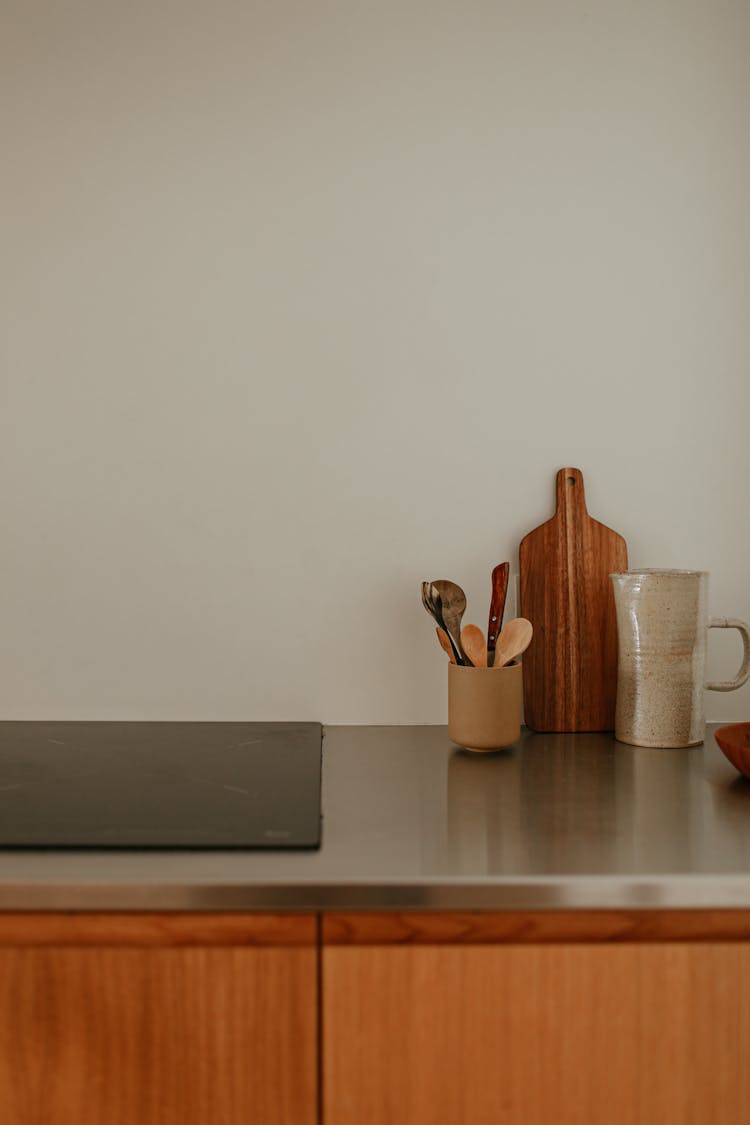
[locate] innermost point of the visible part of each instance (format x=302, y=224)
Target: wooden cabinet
x=527, y=1020
x=158, y=1020
x=599, y=1018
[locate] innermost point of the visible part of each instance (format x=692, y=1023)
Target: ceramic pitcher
x=662, y=631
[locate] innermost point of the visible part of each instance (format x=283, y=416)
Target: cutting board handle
x=571, y=497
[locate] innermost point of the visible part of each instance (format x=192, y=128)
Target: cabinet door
x=647, y=1033
x=158, y=1021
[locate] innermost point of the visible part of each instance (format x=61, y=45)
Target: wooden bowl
x=734, y=742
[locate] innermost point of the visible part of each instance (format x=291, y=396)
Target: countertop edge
x=606, y=892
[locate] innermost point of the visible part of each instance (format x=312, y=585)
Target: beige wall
x=305, y=302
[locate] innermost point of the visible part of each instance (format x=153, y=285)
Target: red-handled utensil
x=497, y=605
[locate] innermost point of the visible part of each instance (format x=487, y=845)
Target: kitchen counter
x=410, y=822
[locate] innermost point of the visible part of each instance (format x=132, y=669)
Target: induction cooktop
x=160, y=785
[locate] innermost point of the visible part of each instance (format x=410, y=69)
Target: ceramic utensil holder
x=662, y=630
x=484, y=706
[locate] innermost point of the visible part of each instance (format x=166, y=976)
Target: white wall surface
x=304, y=302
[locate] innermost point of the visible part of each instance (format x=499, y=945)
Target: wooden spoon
x=453, y=601
x=445, y=643
x=473, y=644
x=432, y=602
x=514, y=639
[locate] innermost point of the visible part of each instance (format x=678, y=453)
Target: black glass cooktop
x=160, y=785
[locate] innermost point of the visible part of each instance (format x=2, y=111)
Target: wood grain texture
x=570, y=667
x=529, y=927
x=157, y=1036
x=499, y=582
x=533, y=1034
x=474, y=645
x=149, y=929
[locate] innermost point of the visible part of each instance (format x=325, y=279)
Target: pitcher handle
x=744, y=673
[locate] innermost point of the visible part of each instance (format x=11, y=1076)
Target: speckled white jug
x=662, y=632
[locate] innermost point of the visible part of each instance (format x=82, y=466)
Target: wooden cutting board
x=570, y=667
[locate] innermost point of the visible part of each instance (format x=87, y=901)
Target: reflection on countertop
x=565, y=803
x=411, y=821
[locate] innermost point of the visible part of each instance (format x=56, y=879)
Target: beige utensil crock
x=484, y=706
x=662, y=632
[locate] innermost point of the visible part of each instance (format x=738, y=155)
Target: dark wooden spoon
x=453, y=603
x=433, y=603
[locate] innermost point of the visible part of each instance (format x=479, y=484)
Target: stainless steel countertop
x=411, y=822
